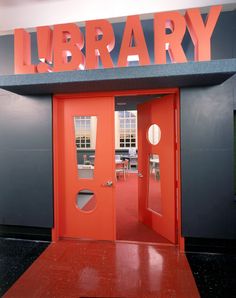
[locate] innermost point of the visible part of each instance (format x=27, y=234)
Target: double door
x=84, y=167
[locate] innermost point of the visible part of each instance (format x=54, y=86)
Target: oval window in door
x=154, y=134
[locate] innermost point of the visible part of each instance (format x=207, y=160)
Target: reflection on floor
x=127, y=225
x=106, y=269
x=215, y=274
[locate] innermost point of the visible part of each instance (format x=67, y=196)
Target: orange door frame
x=56, y=153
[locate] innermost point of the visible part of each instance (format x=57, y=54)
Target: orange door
x=84, y=135
x=156, y=165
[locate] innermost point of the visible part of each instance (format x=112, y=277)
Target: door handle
x=140, y=175
x=108, y=184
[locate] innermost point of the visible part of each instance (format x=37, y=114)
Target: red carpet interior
x=106, y=269
x=127, y=225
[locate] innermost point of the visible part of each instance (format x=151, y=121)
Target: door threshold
x=119, y=241
x=146, y=243
x=83, y=239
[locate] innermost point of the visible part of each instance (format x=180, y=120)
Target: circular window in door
x=154, y=134
x=86, y=200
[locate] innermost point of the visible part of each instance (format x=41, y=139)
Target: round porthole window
x=86, y=200
x=154, y=134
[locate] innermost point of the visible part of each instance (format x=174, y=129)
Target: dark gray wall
x=207, y=155
x=7, y=53
x=25, y=160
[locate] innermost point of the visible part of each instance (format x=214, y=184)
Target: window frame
x=118, y=130
x=89, y=133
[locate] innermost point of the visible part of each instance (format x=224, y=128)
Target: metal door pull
x=108, y=184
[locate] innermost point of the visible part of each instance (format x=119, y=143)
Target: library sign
x=65, y=48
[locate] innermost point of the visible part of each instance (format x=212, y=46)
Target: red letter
x=22, y=52
x=172, y=41
x=68, y=41
x=44, y=41
x=200, y=33
x=133, y=32
x=96, y=46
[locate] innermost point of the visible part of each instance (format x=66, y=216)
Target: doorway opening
x=93, y=175
x=130, y=225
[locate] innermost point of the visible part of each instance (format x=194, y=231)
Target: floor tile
x=107, y=269
x=15, y=257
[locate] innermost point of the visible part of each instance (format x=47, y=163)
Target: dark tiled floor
x=215, y=274
x=15, y=257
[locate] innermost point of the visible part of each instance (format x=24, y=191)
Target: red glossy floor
x=106, y=269
x=127, y=225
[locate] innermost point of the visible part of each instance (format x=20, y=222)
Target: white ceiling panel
x=32, y=13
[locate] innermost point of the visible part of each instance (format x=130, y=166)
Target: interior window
x=85, y=138
x=126, y=129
